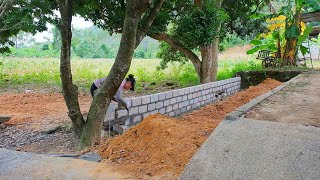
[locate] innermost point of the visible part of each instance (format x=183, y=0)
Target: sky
x=77, y=22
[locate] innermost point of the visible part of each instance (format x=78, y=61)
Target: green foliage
x=229, y=72
x=201, y=26
x=169, y=54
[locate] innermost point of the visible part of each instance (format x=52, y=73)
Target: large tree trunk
x=89, y=131
x=209, y=64
x=70, y=91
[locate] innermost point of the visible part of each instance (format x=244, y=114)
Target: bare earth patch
x=161, y=146
x=297, y=103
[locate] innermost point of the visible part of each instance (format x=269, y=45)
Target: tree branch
x=180, y=47
x=152, y=16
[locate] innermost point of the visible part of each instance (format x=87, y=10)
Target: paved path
x=30, y=166
x=250, y=149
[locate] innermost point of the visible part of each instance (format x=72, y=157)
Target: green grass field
x=33, y=72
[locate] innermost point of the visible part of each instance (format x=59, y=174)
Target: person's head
x=130, y=82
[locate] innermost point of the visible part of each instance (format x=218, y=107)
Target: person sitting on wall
x=127, y=84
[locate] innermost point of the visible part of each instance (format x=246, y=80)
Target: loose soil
x=161, y=146
x=297, y=103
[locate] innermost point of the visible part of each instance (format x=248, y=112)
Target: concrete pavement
x=250, y=149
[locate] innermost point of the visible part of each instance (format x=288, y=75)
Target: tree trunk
x=70, y=91
x=209, y=64
x=92, y=129
x=89, y=131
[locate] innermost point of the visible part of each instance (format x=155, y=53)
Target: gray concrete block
x=201, y=87
x=166, y=102
x=136, y=101
x=191, y=89
x=173, y=100
x=189, y=108
x=136, y=119
x=143, y=109
x=154, y=98
x=168, y=95
x=189, y=96
x=177, y=112
x=185, y=97
x=175, y=93
x=179, y=99
x=145, y=99
x=168, y=109
x=184, y=109
x=175, y=107
x=159, y=104
x=134, y=110
x=181, y=92
x=151, y=106
x=162, y=96
x=196, y=88
x=186, y=90
x=171, y=114
x=162, y=110
x=122, y=113
x=109, y=116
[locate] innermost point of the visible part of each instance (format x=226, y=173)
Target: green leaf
x=305, y=35
x=256, y=42
x=315, y=4
x=304, y=50
x=256, y=48
x=292, y=32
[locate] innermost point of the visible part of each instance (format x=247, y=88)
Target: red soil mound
x=162, y=146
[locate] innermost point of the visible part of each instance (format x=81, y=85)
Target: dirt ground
x=159, y=147
x=297, y=103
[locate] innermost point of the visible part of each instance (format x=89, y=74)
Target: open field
x=39, y=74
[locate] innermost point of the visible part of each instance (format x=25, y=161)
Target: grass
x=33, y=72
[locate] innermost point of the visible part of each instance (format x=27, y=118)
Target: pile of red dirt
x=162, y=146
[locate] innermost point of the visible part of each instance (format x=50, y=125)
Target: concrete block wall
x=172, y=103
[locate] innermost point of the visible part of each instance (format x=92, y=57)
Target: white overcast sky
x=77, y=22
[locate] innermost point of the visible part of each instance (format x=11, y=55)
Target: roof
x=309, y=17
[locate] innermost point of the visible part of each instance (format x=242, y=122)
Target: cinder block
x=207, y=91
x=162, y=96
x=166, y=102
x=146, y=115
x=151, y=106
x=191, y=89
x=109, y=116
x=134, y=110
x=173, y=100
x=172, y=114
x=181, y=105
x=185, y=97
x=191, y=101
x=143, y=109
x=175, y=93
x=181, y=92
x=168, y=109
x=201, y=87
x=184, y=109
x=186, y=90
x=136, y=119
x=194, y=95
x=177, y=112
x=154, y=98
x=145, y=99
x=162, y=110
x=196, y=88
x=122, y=112
x=136, y=101
x=179, y=99
x=189, y=108
x=189, y=96
x=169, y=95
x=175, y=107
x=199, y=94
x=159, y=104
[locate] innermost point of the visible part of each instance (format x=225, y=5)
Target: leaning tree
x=137, y=17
